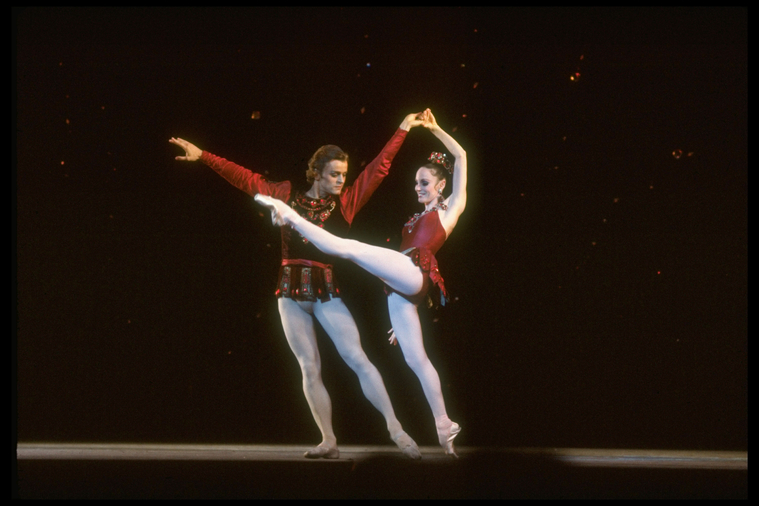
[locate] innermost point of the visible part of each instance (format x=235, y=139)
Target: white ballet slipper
x=323, y=451
x=446, y=433
x=281, y=213
x=408, y=446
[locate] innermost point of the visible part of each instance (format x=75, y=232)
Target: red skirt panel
x=305, y=280
x=425, y=260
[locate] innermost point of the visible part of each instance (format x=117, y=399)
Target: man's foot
x=407, y=446
x=323, y=452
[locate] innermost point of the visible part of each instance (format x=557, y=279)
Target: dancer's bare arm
x=456, y=202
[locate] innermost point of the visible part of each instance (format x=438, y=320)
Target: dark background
x=599, y=271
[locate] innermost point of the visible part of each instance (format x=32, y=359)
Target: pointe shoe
x=279, y=210
x=446, y=439
x=322, y=452
x=408, y=446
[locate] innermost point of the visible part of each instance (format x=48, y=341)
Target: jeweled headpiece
x=441, y=159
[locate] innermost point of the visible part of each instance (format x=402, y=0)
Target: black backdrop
x=600, y=270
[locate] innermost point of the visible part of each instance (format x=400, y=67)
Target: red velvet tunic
x=306, y=272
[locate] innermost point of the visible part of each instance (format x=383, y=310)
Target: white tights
x=298, y=322
x=398, y=272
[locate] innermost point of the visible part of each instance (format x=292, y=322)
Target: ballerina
x=411, y=273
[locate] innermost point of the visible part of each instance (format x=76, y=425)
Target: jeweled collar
x=312, y=203
x=412, y=221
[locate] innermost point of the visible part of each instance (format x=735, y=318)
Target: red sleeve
x=357, y=195
x=244, y=179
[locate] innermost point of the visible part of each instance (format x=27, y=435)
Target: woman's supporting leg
x=404, y=317
x=408, y=330
x=298, y=325
x=341, y=328
x=392, y=267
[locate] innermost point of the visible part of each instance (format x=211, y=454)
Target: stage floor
x=164, y=471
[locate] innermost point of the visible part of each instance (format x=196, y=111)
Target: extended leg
x=404, y=317
x=341, y=327
x=395, y=269
x=299, y=329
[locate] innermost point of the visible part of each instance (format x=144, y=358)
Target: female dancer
x=410, y=273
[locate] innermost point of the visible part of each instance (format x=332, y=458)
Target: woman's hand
x=192, y=152
x=412, y=120
x=429, y=121
x=393, y=340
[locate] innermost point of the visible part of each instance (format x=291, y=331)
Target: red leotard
x=420, y=240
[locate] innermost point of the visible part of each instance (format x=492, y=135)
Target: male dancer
x=307, y=288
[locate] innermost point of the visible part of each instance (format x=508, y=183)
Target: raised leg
x=392, y=267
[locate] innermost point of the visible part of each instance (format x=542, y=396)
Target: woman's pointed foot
x=280, y=212
x=446, y=432
x=322, y=451
x=408, y=446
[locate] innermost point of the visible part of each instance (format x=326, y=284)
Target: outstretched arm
x=456, y=202
x=191, y=151
x=242, y=178
x=357, y=195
